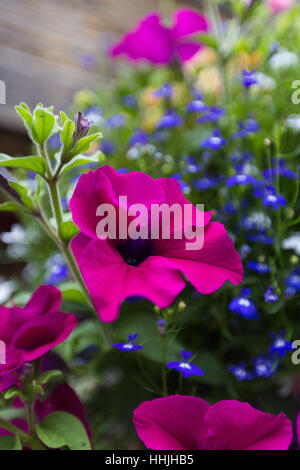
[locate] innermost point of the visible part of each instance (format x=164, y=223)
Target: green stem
x=30, y=418
x=214, y=15
x=31, y=441
x=64, y=248
x=163, y=367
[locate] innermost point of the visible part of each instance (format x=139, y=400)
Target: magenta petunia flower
x=156, y=43
x=180, y=422
x=31, y=331
x=115, y=269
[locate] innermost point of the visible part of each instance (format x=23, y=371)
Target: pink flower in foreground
x=156, y=43
x=188, y=423
x=31, y=331
x=280, y=5
x=114, y=270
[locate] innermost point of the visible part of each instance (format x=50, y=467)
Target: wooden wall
x=42, y=43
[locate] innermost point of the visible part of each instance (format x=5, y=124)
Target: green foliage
x=60, y=429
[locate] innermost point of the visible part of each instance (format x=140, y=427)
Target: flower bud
x=82, y=126
x=161, y=326
x=181, y=306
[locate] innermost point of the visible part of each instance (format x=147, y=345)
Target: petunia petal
x=41, y=334
x=172, y=423
x=110, y=280
x=209, y=267
x=234, y=425
x=187, y=22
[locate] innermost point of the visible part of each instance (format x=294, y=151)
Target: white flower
x=283, y=59
x=293, y=121
x=292, y=243
x=264, y=82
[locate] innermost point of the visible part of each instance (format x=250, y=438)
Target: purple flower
x=293, y=280
x=270, y=295
x=240, y=372
x=280, y=345
x=260, y=268
x=196, y=106
x=273, y=200
x=183, y=185
x=249, y=78
x=244, y=251
x=139, y=137
x=289, y=292
x=164, y=92
x=259, y=238
x=204, y=184
x=185, y=368
x=58, y=270
x=215, y=141
x=129, y=345
x=54, y=143
x=161, y=326
x=115, y=121
x=191, y=166
x=249, y=127
x=107, y=147
x=88, y=61
x=271, y=173
x=213, y=115
x=130, y=101
x=265, y=366
x=169, y=121
x=240, y=180
x=243, y=305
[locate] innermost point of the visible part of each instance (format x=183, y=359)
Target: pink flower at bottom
x=156, y=43
x=31, y=331
x=180, y=422
x=115, y=269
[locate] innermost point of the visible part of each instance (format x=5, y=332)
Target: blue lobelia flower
x=270, y=295
x=272, y=199
x=130, y=101
x=165, y=91
x=244, y=306
x=191, y=166
x=240, y=372
x=293, y=281
x=196, y=106
x=58, y=271
x=280, y=345
x=107, y=147
x=203, y=184
x=183, y=185
x=240, y=180
x=265, y=366
x=245, y=129
x=129, y=345
x=259, y=237
x=260, y=268
x=169, y=121
x=271, y=173
x=215, y=141
x=185, y=368
x=139, y=137
x=244, y=251
x=213, y=114
x=249, y=78
x=115, y=121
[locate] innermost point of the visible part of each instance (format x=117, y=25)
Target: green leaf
x=12, y=393
x=67, y=231
x=10, y=443
x=10, y=206
x=43, y=124
x=61, y=429
x=80, y=160
x=25, y=115
x=71, y=291
x=48, y=375
x=34, y=163
x=83, y=144
x=208, y=40
x=23, y=192
x=66, y=136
